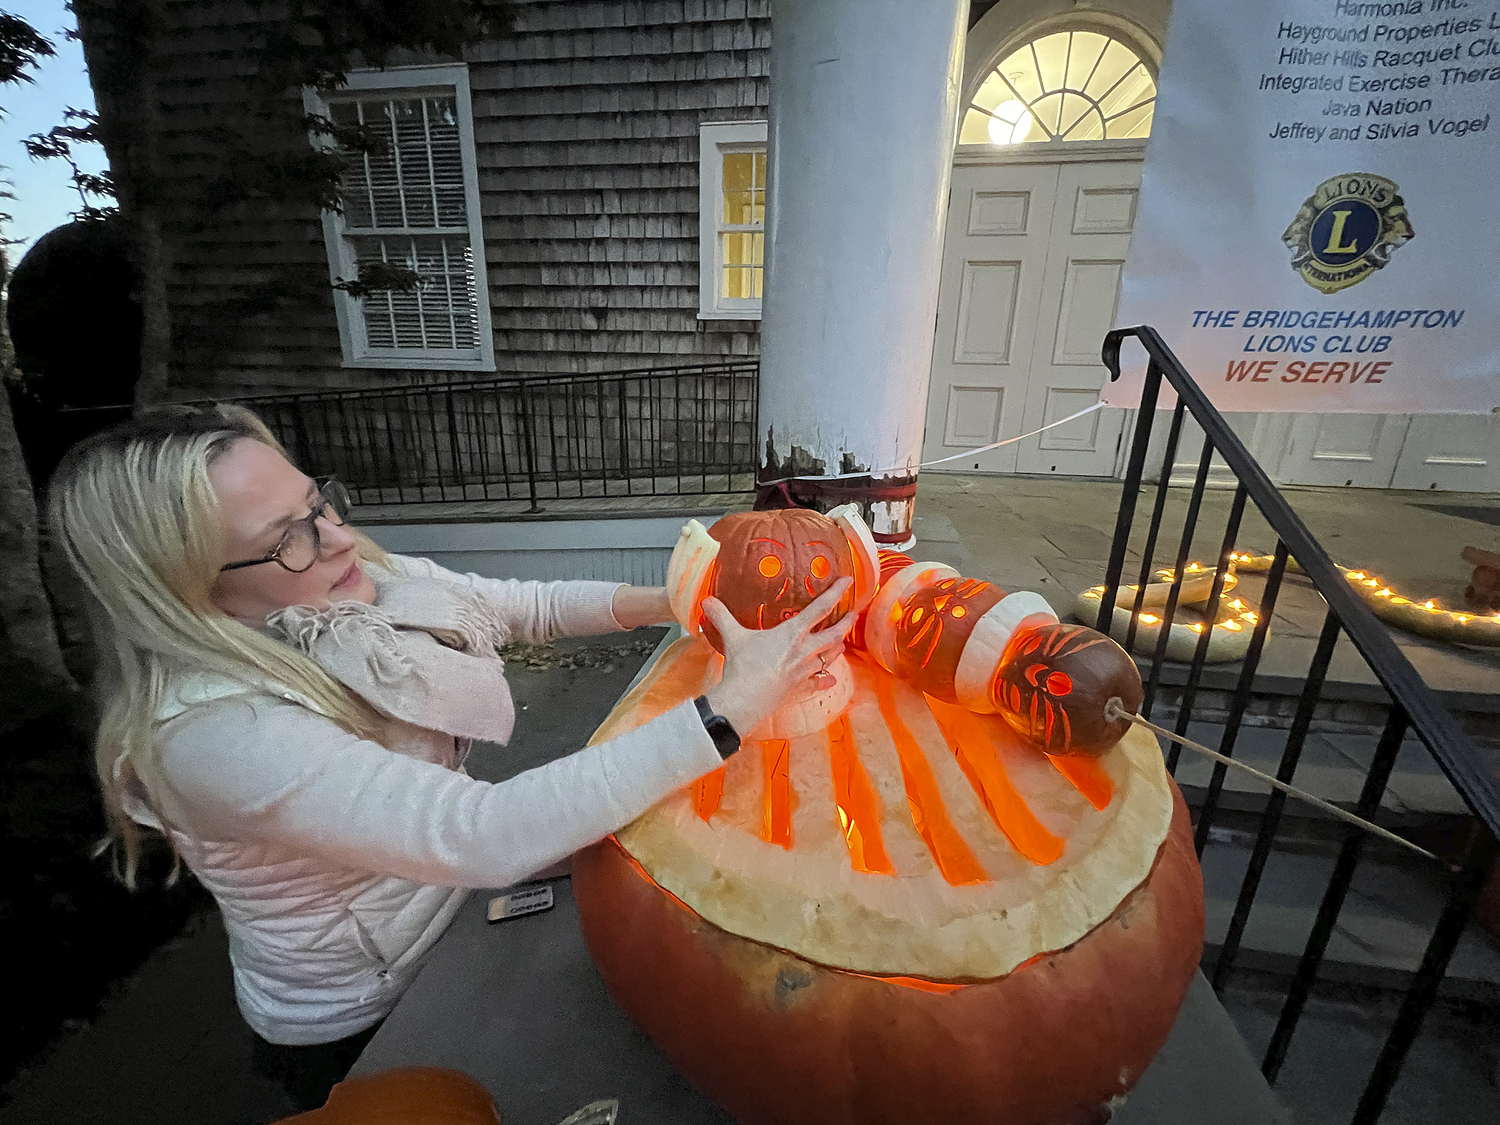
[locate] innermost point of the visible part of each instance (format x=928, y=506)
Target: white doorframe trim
x=1052, y=152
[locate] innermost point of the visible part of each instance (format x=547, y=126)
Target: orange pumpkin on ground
x=407, y=1095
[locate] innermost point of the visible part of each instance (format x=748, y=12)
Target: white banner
x=1319, y=221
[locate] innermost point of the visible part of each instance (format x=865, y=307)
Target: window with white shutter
x=413, y=203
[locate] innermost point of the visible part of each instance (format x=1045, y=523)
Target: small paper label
x=517, y=903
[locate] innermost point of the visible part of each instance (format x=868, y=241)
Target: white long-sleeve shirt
x=337, y=862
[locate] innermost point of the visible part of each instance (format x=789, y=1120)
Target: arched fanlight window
x=1067, y=86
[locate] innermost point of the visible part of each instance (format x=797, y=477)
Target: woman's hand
x=634, y=606
x=762, y=665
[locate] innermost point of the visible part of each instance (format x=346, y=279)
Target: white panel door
x=1451, y=454
x=1093, y=213
x=994, y=264
x=1356, y=450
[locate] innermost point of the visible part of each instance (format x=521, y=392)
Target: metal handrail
x=493, y=382
x=1414, y=706
x=1429, y=718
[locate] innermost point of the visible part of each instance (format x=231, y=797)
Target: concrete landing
x=1054, y=536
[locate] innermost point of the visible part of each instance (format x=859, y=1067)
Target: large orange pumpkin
x=775, y=1038
x=911, y=915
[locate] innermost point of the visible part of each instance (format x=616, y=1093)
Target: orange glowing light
x=1059, y=683
x=776, y=825
x=820, y=566
x=1087, y=776
x=770, y=566
x=1148, y=619
x=959, y=611
x=917, y=983
x=708, y=791
x=857, y=803
x=952, y=856
x=973, y=746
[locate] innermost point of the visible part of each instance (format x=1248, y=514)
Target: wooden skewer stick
x=1114, y=709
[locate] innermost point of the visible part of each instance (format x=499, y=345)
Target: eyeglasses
x=300, y=546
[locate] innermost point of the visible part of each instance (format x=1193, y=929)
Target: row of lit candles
x=1229, y=624
x=1359, y=577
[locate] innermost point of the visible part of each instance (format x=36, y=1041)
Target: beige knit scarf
x=426, y=652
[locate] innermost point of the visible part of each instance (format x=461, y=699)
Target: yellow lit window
x=1067, y=86
x=742, y=225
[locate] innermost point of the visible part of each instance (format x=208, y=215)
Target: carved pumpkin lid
x=910, y=838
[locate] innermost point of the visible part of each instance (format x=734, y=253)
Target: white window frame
x=714, y=141
x=410, y=80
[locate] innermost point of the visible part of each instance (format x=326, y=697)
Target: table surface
x=519, y=1006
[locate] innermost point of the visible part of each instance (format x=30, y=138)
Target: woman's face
x=261, y=494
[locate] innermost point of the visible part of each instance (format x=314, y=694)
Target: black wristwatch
x=720, y=729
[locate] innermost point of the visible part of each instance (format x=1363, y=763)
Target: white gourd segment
x=866, y=553
x=985, y=647
x=688, y=573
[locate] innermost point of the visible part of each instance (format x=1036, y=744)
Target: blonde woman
x=290, y=707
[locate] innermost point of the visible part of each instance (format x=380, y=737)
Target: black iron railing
x=678, y=430
x=687, y=430
x=1413, y=709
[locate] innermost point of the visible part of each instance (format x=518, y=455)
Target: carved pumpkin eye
x=959, y=611
x=770, y=566
x=820, y=567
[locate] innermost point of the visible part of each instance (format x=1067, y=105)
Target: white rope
x=941, y=460
x=1115, y=710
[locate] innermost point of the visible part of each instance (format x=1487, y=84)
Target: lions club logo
x=1346, y=230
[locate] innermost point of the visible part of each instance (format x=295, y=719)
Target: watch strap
x=726, y=739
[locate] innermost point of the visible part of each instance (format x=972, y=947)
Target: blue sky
x=44, y=197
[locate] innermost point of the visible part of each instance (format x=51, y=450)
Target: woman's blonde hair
x=140, y=524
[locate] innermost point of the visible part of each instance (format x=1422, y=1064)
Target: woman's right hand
x=761, y=666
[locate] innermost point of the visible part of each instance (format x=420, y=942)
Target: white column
x=864, y=108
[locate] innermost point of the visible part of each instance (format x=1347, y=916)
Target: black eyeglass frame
x=334, y=506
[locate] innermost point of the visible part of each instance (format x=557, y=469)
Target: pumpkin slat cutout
x=856, y=804
x=972, y=747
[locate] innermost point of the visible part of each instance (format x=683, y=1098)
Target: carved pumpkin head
x=935, y=624
x=772, y=564
x=1053, y=683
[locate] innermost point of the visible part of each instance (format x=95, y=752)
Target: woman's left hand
x=634, y=606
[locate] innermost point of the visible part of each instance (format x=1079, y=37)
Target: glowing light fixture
x=1010, y=123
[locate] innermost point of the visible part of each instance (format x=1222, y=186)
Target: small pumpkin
x=406, y=1095
x=935, y=625
x=1053, y=683
x=770, y=565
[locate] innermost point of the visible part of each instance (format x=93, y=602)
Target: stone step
x=1332, y=766
x=1388, y=916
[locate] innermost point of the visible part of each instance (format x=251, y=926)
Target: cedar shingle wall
x=586, y=136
